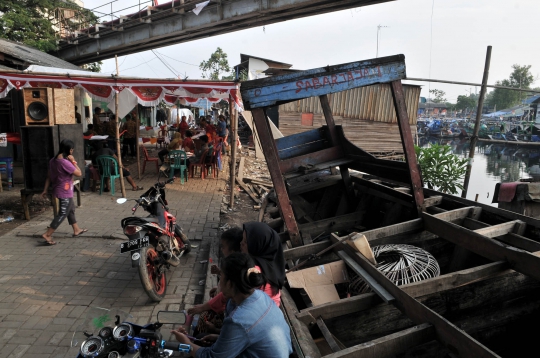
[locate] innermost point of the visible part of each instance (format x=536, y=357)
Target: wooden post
x=137, y=141
x=272, y=160
x=344, y=170
x=117, y=137
x=408, y=146
x=474, y=137
x=234, y=127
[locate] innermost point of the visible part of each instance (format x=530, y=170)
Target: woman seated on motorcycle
x=254, y=326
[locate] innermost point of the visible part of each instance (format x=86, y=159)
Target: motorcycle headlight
x=132, y=229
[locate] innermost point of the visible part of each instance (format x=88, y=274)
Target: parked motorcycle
x=109, y=334
x=156, y=242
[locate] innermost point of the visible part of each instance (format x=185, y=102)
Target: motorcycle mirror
x=121, y=200
x=171, y=317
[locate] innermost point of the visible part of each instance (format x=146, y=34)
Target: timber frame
x=489, y=258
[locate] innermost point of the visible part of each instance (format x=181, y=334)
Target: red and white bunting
x=149, y=92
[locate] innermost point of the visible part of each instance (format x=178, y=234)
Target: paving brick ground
x=45, y=290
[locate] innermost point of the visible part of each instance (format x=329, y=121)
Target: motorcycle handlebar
x=175, y=346
x=162, y=184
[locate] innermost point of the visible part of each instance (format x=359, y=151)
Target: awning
x=149, y=92
x=531, y=99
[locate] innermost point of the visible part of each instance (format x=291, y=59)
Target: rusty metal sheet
x=361, y=103
x=320, y=81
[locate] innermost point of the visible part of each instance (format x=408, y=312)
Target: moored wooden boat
x=330, y=193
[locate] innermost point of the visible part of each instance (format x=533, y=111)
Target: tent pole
x=474, y=137
x=117, y=135
x=136, y=114
x=232, y=135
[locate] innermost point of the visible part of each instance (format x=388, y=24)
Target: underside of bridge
x=175, y=22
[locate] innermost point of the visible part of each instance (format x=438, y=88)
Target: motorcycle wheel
x=155, y=285
x=180, y=235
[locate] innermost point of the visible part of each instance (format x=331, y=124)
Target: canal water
x=493, y=163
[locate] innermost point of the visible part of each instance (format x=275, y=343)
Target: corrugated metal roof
x=27, y=56
x=372, y=103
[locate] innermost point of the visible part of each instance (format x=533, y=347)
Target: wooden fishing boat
x=335, y=205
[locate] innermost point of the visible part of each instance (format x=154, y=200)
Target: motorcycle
x=109, y=334
x=156, y=242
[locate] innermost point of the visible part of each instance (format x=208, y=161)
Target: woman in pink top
x=62, y=168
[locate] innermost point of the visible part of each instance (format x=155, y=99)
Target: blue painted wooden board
x=300, y=138
x=320, y=81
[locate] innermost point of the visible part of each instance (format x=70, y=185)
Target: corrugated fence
x=373, y=103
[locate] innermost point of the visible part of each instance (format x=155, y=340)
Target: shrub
x=441, y=170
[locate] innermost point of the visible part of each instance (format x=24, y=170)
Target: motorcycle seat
x=152, y=220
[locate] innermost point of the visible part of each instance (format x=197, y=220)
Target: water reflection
x=493, y=163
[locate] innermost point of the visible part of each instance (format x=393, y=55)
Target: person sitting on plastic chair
x=100, y=150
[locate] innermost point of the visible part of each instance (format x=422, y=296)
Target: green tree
x=464, y=102
x=216, y=65
x=441, y=170
x=520, y=77
x=31, y=21
x=438, y=95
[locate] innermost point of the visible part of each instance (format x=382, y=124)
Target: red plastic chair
x=201, y=164
x=148, y=159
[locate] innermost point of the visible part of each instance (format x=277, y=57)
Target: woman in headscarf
x=263, y=244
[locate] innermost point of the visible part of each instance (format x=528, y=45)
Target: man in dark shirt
x=100, y=150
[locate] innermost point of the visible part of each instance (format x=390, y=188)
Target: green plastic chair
x=178, y=160
x=108, y=168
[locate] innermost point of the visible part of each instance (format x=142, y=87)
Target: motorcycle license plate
x=134, y=244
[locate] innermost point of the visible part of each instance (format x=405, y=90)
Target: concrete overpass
x=174, y=22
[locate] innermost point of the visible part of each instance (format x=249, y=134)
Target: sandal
x=47, y=242
x=80, y=233
x=137, y=188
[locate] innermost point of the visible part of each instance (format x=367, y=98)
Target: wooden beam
x=408, y=145
x=312, y=159
x=519, y=260
x=515, y=240
x=417, y=289
x=306, y=250
x=498, y=230
x=320, y=81
x=304, y=338
x=451, y=336
x=372, y=283
x=433, y=201
x=415, y=225
x=390, y=345
x=327, y=335
x=270, y=153
x=332, y=224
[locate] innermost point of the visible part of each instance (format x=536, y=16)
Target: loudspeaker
x=38, y=106
x=39, y=145
x=49, y=106
x=74, y=132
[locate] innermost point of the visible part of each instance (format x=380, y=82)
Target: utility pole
x=378, y=30
x=474, y=137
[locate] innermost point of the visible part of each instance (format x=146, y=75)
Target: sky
x=441, y=39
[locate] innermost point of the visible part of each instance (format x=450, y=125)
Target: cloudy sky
x=441, y=39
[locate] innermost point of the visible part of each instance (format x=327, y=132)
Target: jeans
x=66, y=209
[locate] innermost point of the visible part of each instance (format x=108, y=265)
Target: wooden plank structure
x=486, y=300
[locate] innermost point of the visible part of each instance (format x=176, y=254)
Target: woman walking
x=61, y=170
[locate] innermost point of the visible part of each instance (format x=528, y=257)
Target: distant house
x=432, y=109
x=534, y=103
x=258, y=67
